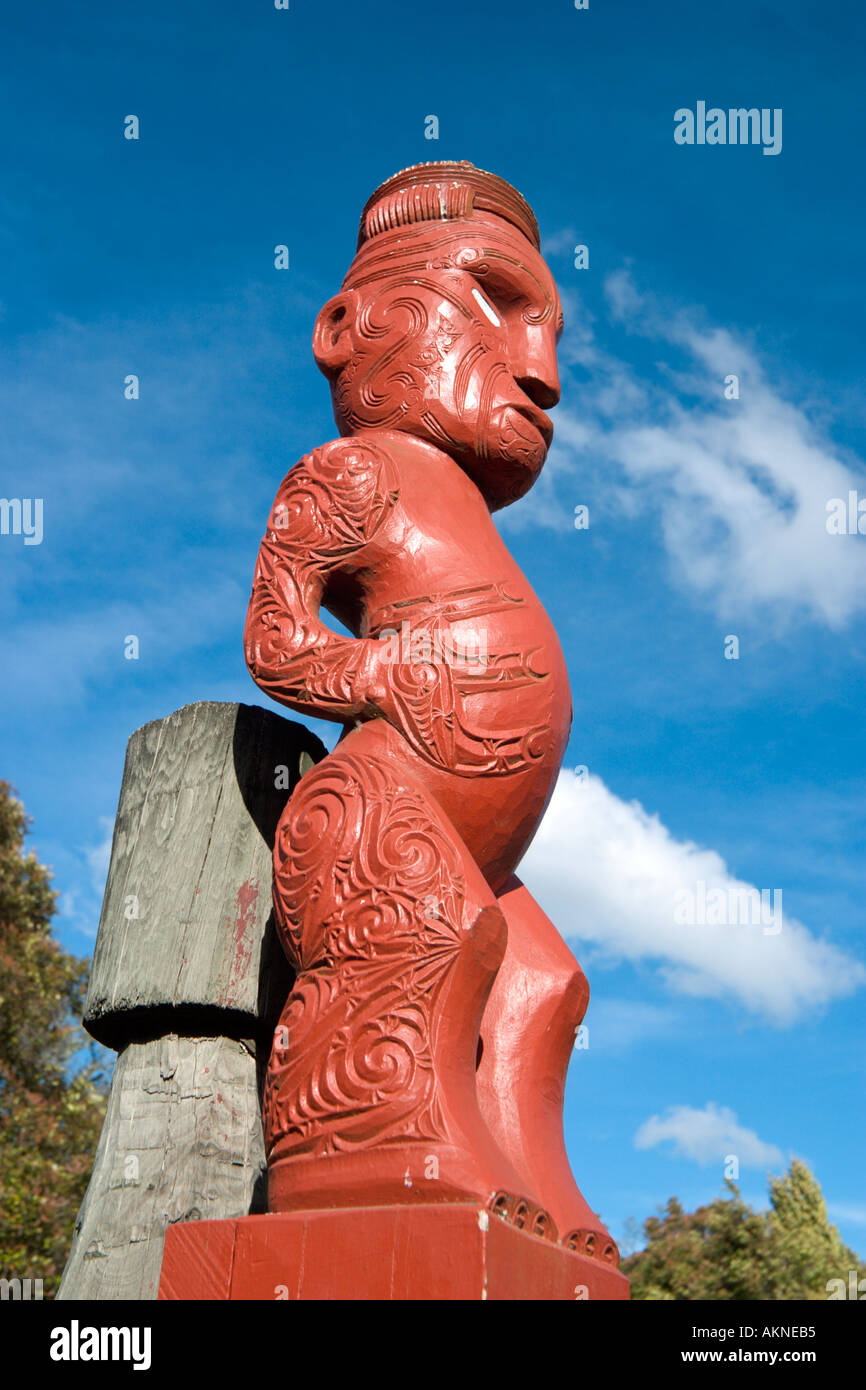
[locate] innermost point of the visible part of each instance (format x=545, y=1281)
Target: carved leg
x=537, y=1002
x=370, y=1095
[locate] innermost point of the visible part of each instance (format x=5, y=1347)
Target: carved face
x=448, y=332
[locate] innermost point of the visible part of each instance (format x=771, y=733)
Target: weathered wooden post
x=186, y=985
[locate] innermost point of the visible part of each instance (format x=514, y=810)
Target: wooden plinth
x=432, y=1252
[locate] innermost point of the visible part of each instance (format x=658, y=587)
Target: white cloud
x=706, y=1136
x=741, y=486
x=607, y=873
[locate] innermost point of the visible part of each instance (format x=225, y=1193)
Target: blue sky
x=707, y=515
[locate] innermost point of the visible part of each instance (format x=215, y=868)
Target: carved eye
x=486, y=308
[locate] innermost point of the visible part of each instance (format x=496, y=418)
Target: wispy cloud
x=740, y=486
x=706, y=1136
x=855, y=1212
x=55, y=662
x=559, y=243
x=98, y=855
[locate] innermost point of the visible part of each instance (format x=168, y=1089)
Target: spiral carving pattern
x=370, y=902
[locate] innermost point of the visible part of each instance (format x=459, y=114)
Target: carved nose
x=543, y=390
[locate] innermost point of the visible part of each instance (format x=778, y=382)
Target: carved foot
x=366, y=1100
x=525, y=1215
x=528, y=1030
x=596, y=1244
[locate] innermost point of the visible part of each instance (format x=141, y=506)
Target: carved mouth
x=536, y=417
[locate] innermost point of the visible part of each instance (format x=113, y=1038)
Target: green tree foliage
x=728, y=1251
x=51, y=1103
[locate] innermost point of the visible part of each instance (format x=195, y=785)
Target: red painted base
x=425, y=1252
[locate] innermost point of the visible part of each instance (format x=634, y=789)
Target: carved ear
x=332, y=335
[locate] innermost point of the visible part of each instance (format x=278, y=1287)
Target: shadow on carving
x=270, y=756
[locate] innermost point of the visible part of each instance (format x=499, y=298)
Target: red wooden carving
x=422, y=1052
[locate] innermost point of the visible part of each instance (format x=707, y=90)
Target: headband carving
x=442, y=192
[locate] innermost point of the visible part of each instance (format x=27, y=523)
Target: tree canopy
x=52, y=1098
x=726, y=1250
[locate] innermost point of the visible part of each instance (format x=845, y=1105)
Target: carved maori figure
x=422, y=1052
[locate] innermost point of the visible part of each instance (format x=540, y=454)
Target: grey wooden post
x=186, y=985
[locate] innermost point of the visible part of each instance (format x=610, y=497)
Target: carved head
x=446, y=325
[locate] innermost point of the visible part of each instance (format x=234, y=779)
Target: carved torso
x=369, y=523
